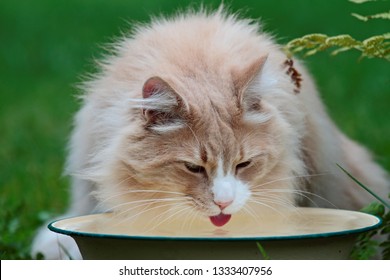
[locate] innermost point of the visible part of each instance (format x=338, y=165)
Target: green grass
x=47, y=46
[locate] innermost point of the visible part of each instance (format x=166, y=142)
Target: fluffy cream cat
x=206, y=110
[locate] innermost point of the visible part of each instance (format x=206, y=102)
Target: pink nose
x=223, y=204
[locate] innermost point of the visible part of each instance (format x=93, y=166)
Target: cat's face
x=213, y=156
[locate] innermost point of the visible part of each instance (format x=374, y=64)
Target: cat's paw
x=55, y=246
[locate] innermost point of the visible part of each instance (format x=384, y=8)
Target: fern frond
x=375, y=46
x=384, y=15
x=361, y=1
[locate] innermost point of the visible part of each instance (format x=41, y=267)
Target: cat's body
x=204, y=109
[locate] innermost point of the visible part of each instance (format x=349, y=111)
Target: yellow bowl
x=304, y=233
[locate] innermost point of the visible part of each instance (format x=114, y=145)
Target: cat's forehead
x=215, y=142
x=213, y=92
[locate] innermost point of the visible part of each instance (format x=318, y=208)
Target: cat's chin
x=220, y=220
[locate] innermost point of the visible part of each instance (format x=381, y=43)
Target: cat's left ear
x=242, y=79
x=163, y=106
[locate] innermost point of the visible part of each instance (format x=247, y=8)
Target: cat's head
x=211, y=145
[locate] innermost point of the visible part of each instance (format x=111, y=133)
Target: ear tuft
x=243, y=78
x=162, y=105
x=248, y=100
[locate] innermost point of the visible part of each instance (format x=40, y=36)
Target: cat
x=205, y=109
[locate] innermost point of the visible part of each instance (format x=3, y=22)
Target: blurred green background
x=46, y=47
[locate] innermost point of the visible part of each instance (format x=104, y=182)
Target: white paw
x=55, y=246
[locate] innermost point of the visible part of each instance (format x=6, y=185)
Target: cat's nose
x=223, y=204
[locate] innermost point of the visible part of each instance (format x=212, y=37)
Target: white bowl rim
x=52, y=226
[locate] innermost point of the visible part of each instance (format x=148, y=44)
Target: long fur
x=227, y=100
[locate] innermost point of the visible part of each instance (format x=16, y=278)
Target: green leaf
x=364, y=250
x=385, y=230
x=374, y=208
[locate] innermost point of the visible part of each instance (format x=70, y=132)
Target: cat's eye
x=243, y=165
x=194, y=168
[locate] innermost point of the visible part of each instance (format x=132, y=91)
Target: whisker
x=268, y=206
x=170, y=217
x=101, y=203
x=145, y=207
x=191, y=213
x=145, y=210
x=289, y=178
x=303, y=193
x=250, y=211
x=171, y=209
x=278, y=201
x=151, y=200
x=190, y=219
x=139, y=191
x=272, y=195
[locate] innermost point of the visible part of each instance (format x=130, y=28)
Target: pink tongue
x=220, y=219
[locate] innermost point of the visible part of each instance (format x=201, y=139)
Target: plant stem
x=364, y=187
x=262, y=251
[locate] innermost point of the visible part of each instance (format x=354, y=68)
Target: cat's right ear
x=163, y=106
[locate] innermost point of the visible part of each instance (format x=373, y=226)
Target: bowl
x=303, y=234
